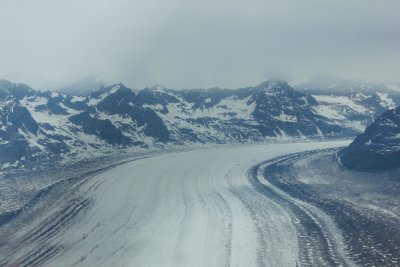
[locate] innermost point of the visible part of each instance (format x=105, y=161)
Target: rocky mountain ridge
x=378, y=148
x=39, y=125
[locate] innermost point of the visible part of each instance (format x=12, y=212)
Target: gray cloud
x=184, y=44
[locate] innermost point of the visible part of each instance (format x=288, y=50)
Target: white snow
x=156, y=107
x=341, y=100
x=386, y=100
x=32, y=139
x=34, y=101
x=285, y=117
x=95, y=101
x=70, y=111
x=226, y=109
x=44, y=116
x=115, y=119
x=193, y=208
x=78, y=99
x=337, y=109
x=339, y=118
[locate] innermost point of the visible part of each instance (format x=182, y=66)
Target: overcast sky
x=205, y=43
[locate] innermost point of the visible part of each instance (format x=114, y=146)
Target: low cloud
x=185, y=44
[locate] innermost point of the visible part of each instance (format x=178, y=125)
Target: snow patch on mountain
x=386, y=101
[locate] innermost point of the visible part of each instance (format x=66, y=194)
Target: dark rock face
x=36, y=125
x=378, y=148
x=16, y=123
x=153, y=96
x=104, y=129
x=125, y=102
x=16, y=90
x=13, y=150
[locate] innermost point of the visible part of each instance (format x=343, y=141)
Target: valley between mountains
x=254, y=205
x=198, y=208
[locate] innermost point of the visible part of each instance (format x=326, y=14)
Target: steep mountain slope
x=41, y=125
x=378, y=148
x=16, y=123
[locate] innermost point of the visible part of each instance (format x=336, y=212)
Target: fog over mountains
x=39, y=125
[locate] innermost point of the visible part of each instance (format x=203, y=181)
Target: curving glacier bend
x=196, y=208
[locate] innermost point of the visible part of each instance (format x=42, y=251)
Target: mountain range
x=38, y=125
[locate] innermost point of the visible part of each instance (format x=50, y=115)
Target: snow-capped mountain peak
x=41, y=125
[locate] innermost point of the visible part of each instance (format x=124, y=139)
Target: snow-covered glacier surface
x=209, y=207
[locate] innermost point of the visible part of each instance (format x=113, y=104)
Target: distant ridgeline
x=37, y=125
x=378, y=148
